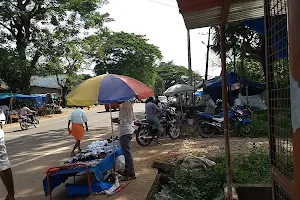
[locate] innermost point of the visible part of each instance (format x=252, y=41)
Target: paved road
x=34, y=150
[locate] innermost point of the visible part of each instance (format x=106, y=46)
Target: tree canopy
x=32, y=28
x=127, y=54
x=252, y=70
x=67, y=37
x=241, y=43
x=173, y=74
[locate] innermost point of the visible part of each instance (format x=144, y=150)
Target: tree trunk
x=64, y=92
x=234, y=61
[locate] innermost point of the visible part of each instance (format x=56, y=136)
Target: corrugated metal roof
x=47, y=81
x=239, y=11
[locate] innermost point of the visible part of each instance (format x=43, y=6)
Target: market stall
x=98, y=158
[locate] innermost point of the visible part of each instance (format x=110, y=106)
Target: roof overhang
x=204, y=13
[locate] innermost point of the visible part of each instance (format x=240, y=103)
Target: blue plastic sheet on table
x=60, y=177
x=76, y=190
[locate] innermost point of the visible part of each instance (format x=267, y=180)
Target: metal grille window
x=279, y=98
x=280, y=194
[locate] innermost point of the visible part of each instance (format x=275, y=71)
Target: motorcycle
x=207, y=125
x=26, y=122
x=146, y=131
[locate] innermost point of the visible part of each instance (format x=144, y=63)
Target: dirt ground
x=169, y=151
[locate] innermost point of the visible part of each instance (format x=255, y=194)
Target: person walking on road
x=78, y=119
x=5, y=169
x=126, y=117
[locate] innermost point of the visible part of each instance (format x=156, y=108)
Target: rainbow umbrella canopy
x=107, y=89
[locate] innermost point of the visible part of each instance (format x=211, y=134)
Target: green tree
x=67, y=59
x=173, y=74
x=9, y=72
x=33, y=26
x=252, y=70
x=241, y=43
x=159, y=85
x=125, y=54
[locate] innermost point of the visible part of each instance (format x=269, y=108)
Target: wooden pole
x=189, y=57
x=294, y=52
x=207, y=55
x=225, y=111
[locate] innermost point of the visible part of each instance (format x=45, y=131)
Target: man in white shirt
x=26, y=112
x=210, y=105
x=78, y=118
x=5, y=169
x=126, y=117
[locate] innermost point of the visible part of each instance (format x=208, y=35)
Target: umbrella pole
x=113, y=138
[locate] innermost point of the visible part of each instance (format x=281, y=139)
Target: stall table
x=58, y=175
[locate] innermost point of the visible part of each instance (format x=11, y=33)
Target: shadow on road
x=31, y=155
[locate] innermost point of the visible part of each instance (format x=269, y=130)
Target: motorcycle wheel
x=23, y=126
x=246, y=130
x=174, y=131
x=204, y=130
x=140, y=134
x=36, y=123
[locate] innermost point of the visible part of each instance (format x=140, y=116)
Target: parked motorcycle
x=26, y=122
x=207, y=125
x=146, y=131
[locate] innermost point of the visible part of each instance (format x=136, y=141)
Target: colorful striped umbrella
x=107, y=89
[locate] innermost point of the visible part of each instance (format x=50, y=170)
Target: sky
x=161, y=22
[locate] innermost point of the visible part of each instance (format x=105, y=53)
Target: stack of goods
x=94, y=153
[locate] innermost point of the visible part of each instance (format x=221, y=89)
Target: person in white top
x=26, y=112
x=78, y=118
x=5, y=169
x=126, y=117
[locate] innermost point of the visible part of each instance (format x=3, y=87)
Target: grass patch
x=251, y=168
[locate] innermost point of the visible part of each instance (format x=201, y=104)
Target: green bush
x=252, y=168
x=260, y=125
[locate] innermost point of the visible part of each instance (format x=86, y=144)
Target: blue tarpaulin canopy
x=213, y=87
x=39, y=99
x=232, y=78
x=198, y=93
